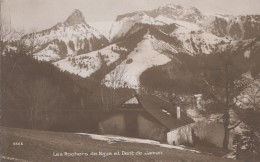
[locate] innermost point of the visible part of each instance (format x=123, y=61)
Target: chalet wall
x=182, y=135
x=147, y=126
x=113, y=125
x=151, y=129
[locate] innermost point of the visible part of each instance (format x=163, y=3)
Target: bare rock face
x=178, y=12
x=234, y=27
x=75, y=18
x=175, y=12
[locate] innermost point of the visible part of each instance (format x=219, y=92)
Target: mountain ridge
x=76, y=47
x=234, y=27
x=75, y=35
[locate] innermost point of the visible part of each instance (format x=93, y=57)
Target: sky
x=42, y=14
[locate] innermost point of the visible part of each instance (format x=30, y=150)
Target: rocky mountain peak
x=178, y=6
x=173, y=11
x=75, y=18
x=179, y=12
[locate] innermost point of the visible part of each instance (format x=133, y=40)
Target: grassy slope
x=40, y=145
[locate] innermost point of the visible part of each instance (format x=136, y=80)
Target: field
x=41, y=146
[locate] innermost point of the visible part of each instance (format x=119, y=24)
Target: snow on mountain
x=161, y=46
x=73, y=44
x=164, y=19
x=86, y=64
x=144, y=56
x=50, y=53
x=234, y=27
x=178, y=12
x=161, y=16
x=103, y=27
x=199, y=42
x=67, y=33
x=75, y=35
x=193, y=37
x=120, y=28
x=172, y=11
x=185, y=27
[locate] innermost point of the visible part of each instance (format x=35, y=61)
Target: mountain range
x=141, y=40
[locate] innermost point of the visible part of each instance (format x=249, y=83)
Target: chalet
x=150, y=117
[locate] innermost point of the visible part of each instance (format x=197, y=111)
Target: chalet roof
x=163, y=111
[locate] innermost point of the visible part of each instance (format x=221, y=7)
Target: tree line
x=220, y=78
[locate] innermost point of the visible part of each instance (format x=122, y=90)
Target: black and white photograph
x=129, y=80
